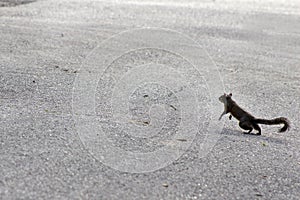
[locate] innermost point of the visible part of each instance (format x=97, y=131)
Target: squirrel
x=246, y=120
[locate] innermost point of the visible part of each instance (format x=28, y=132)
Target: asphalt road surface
x=95, y=104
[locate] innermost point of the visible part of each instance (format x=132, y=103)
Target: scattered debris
x=264, y=144
x=182, y=140
x=12, y=3
x=65, y=70
x=173, y=107
x=165, y=185
x=139, y=122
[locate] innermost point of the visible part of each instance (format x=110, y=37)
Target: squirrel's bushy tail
x=279, y=120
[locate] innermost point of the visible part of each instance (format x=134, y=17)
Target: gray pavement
x=46, y=48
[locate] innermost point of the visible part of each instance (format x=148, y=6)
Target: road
x=68, y=68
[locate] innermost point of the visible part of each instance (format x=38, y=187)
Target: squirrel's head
x=225, y=97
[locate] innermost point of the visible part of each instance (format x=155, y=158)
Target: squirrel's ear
x=230, y=94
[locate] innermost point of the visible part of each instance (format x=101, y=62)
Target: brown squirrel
x=247, y=121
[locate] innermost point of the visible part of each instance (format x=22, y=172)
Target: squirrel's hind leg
x=256, y=127
x=246, y=125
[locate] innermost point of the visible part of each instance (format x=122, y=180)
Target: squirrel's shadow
x=240, y=133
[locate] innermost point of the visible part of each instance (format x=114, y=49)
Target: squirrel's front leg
x=224, y=112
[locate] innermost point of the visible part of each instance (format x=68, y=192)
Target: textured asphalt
x=44, y=46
